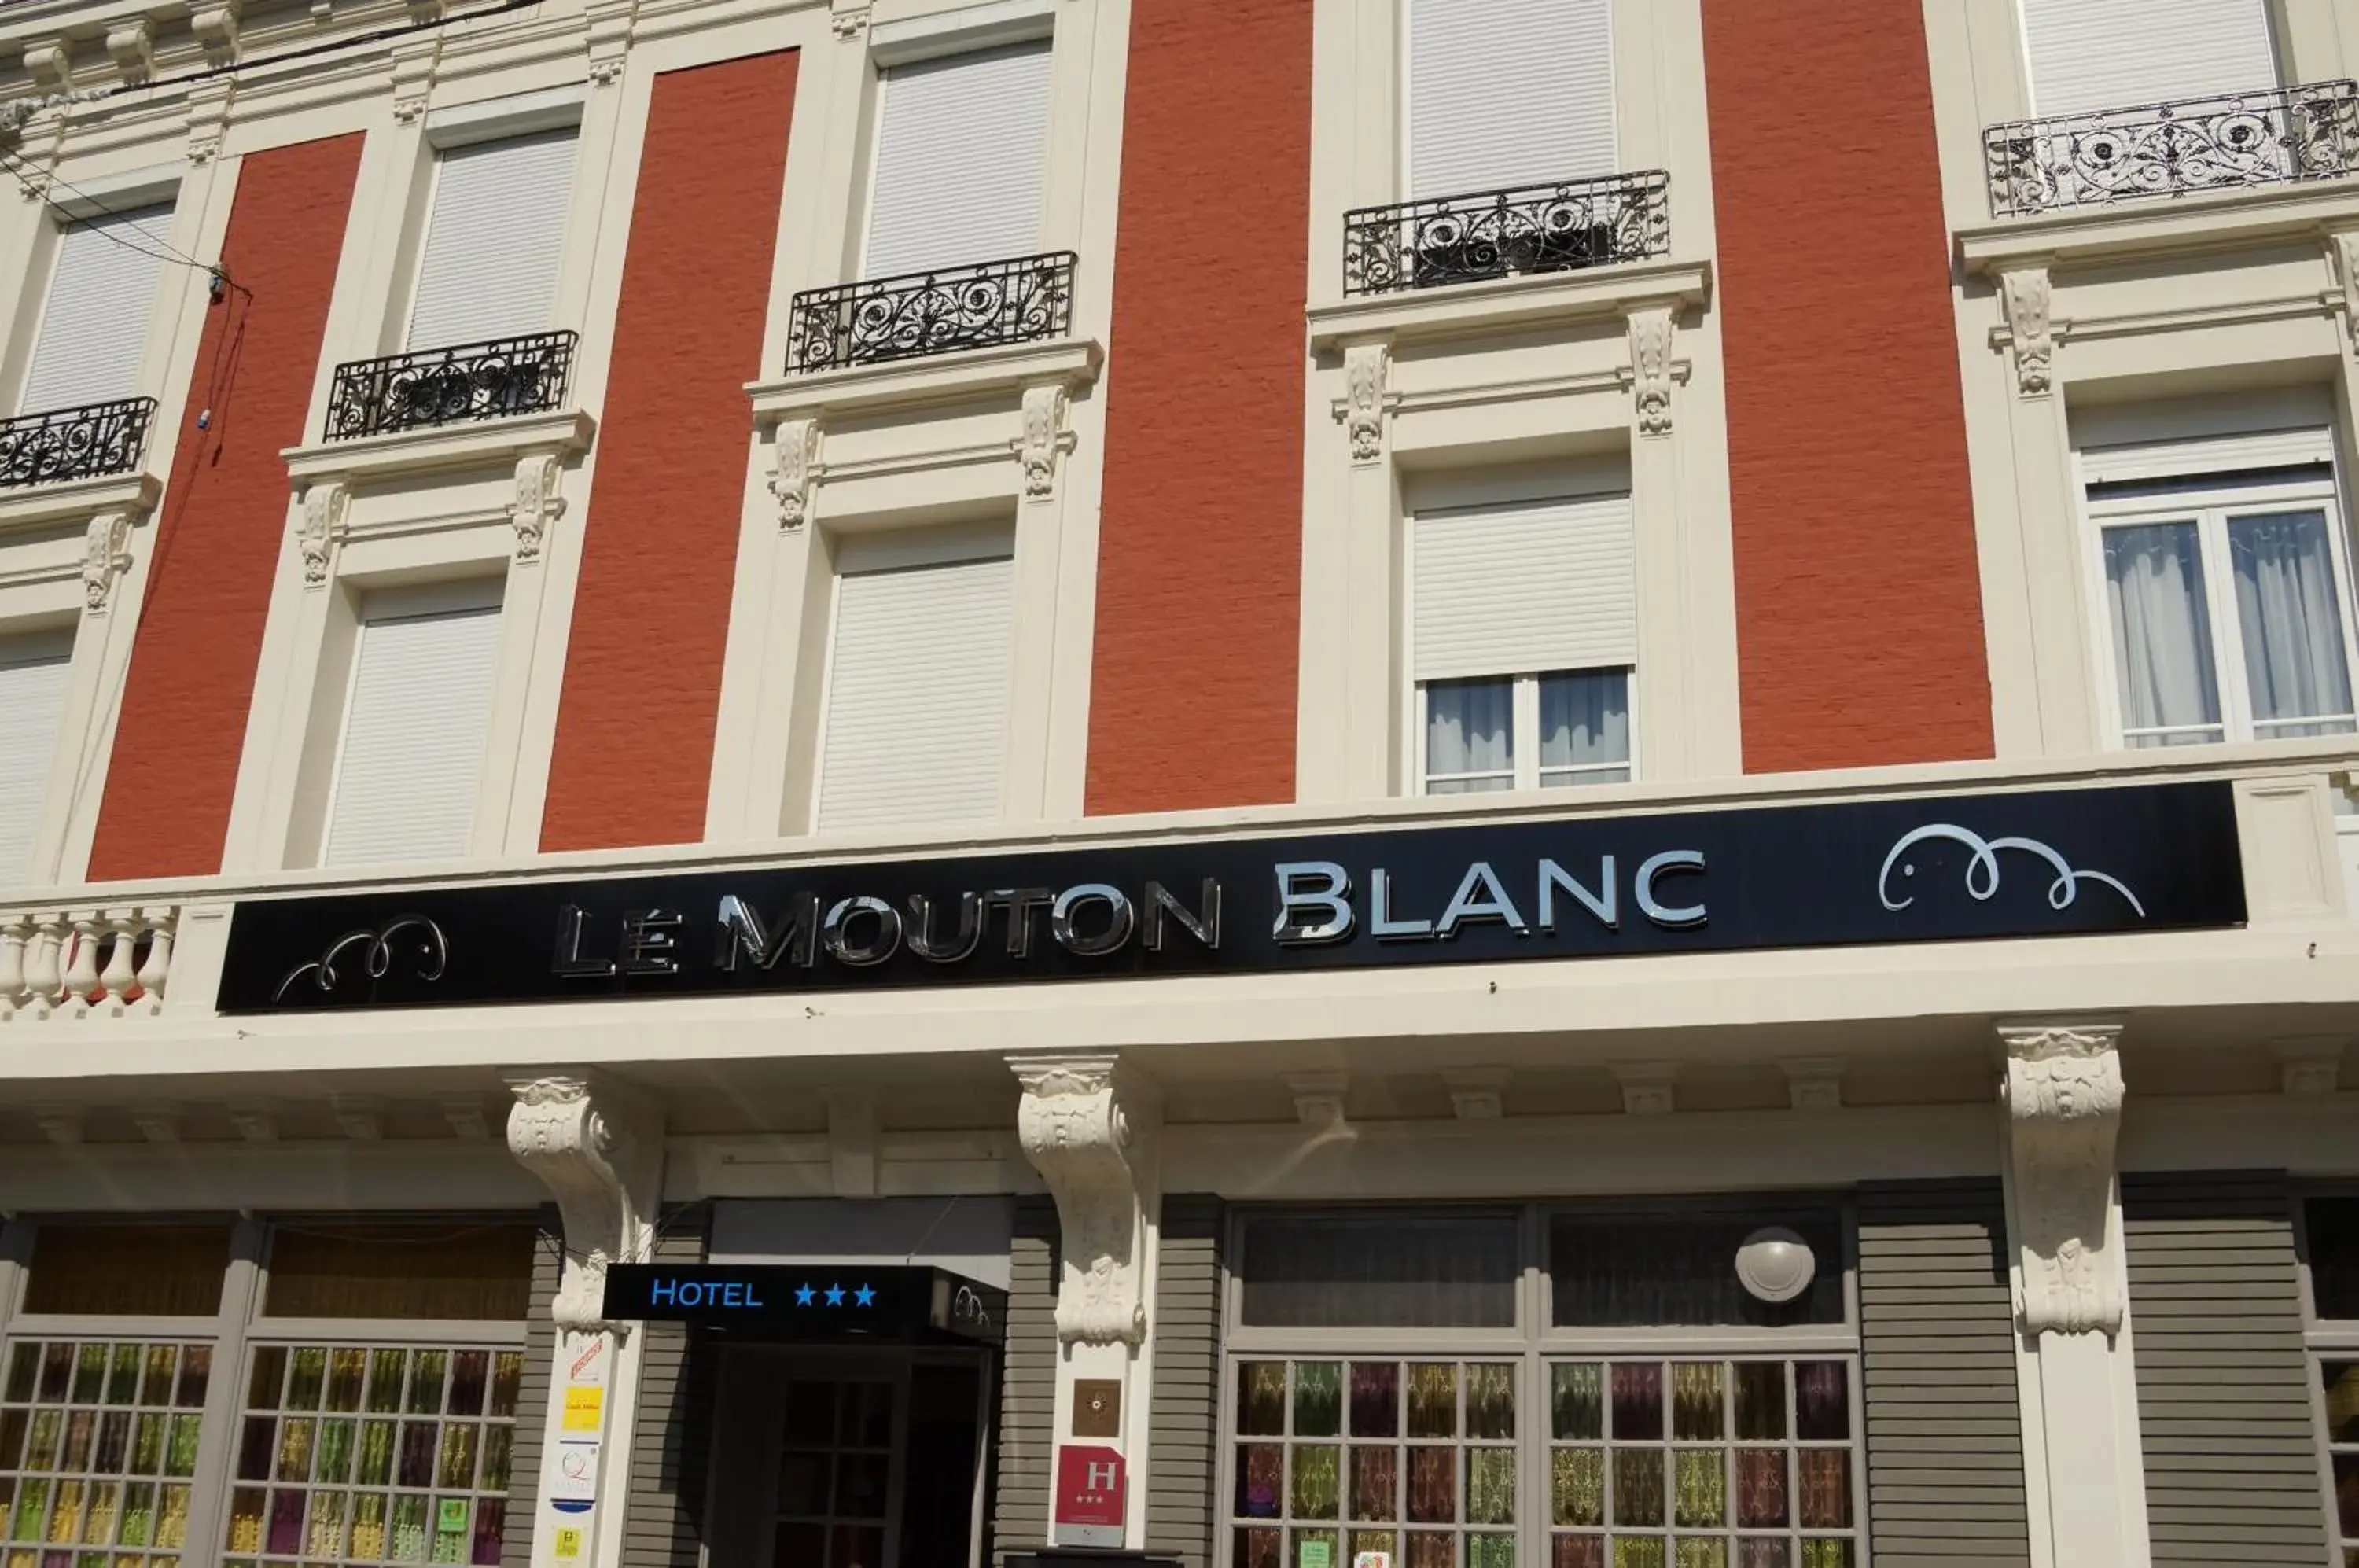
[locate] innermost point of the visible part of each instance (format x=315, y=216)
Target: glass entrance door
x=840, y=1441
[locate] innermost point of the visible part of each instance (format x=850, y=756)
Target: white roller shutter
x=493, y=240
x=917, y=696
x=962, y=161
x=2118, y=54
x=33, y=697
x=1508, y=92
x=1535, y=586
x=94, y=323
x=415, y=728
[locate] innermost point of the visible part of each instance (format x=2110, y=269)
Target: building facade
x=1419, y=783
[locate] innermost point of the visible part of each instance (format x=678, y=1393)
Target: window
x=1522, y=632
x=961, y=161
x=33, y=671
x=98, y=1449
x=468, y=1268
x=168, y=1270
x=416, y=723
x=95, y=322
x=917, y=689
x=1638, y=1409
x=1505, y=93
x=2226, y=597
x=2122, y=54
x=493, y=238
x=2331, y=1236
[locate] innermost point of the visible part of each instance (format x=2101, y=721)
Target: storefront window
x=98, y=1450
x=2330, y=1230
x=359, y=1454
x=1579, y=1389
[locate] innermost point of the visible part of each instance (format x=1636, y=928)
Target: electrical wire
x=94, y=209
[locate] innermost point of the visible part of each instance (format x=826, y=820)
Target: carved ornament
x=1046, y=440
x=2063, y=1099
x=105, y=556
x=1367, y=368
x=2031, y=330
x=591, y=1149
x=794, y=471
x=537, y=505
x=1651, y=371
x=1076, y=1128
x=323, y=528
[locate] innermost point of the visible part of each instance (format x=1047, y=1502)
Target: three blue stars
x=810, y=1295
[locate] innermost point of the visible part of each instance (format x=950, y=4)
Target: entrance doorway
x=851, y=1457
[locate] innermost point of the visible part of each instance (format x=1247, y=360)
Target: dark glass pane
x=1576, y=1400
x=1642, y=1269
x=1577, y=1552
x=1261, y=1480
x=1377, y=1270
x=860, y=1481
x=2333, y=1227
x=1822, y=1401
x=1261, y=1399
x=811, y=1415
x=802, y=1484
x=1824, y=1483
x=1376, y=1399
x=1254, y=1549
x=1433, y=1485
x=1637, y=1401
x=1375, y=1484
x=2341, y=1380
x=1760, y=1402
x=801, y=1546
x=127, y=1268
x=263, y=1386
x=1318, y=1398
x=867, y=1415
x=458, y=1268
x=1761, y=1487
x=196, y=1366
x=1429, y=1548
x=1638, y=1486
x=1762, y=1553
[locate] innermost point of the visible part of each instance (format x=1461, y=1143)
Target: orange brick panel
x=1200, y=562
x=174, y=769
x=635, y=725
x=1859, y=608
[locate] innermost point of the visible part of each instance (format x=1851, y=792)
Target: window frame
x=2212, y=498
x=1531, y=1344
x=2324, y=1339
x=1524, y=735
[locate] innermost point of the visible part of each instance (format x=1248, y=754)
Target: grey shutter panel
x=962, y=161
x=1027, y=1386
x=1508, y=92
x=916, y=701
x=493, y=240
x=1526, y=587
x=532, y=1391
x=2224, y=1415
x=415, y=729
x=95, y=322
x=1937, y=1358
x=671, y=1443
x=1184, y=1417
x=2121, y=54
x=33, y=672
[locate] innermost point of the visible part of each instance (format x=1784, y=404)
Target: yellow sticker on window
x=585, y=1408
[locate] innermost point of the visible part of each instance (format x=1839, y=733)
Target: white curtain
x=1585, y=724
x=1469, y=728
x=2162, y=634
x=2286, y=605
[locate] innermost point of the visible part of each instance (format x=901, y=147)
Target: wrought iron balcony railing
x=1563, y=227
x=2274, y=138
x=451, y=385
x=87, y=443
x=883, y=318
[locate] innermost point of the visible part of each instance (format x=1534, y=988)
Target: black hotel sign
x=2049, y=863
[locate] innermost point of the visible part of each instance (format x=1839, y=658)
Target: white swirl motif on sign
x=1983, y=873
x=431, y=957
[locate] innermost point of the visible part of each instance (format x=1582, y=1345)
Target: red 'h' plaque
x=1088, y=1496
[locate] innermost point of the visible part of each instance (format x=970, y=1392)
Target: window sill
x=1472, y=310
x=77, y=499
x=2204, y=220
x=480, y=443
x=948, y=378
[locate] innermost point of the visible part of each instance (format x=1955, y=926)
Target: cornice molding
x=1474, y=310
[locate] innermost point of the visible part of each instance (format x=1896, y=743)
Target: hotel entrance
x=851, y=1457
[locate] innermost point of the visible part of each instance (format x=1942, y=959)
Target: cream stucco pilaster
x=2084, y=1479
x=598, y=1147
x=1089, y=1128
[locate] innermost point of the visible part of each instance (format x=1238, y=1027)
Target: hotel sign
x=2129, y=859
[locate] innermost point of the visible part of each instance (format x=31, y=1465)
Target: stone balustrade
x=77, y=962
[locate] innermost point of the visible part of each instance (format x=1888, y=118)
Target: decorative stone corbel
x=850, y=19
x=105, y=556
x=413, y=68
x=1476, y=1093
x=411, y=110
x=215, y=25
x=610, y=26
x=1814, y=1083
x=1318, y=1097
x=793, y=471
x=1367, y=367
x=1084, y=1130
x=2310, y=1066
x=537, y=505
x=1652, y=372
x=2030, y=328
x=599, y=1151
x=50, y=64
x=323, y=528
x=208, y=114
x=132, y=45
x=1046, y=440
x=1648, y=1088
x=2063, y=1099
